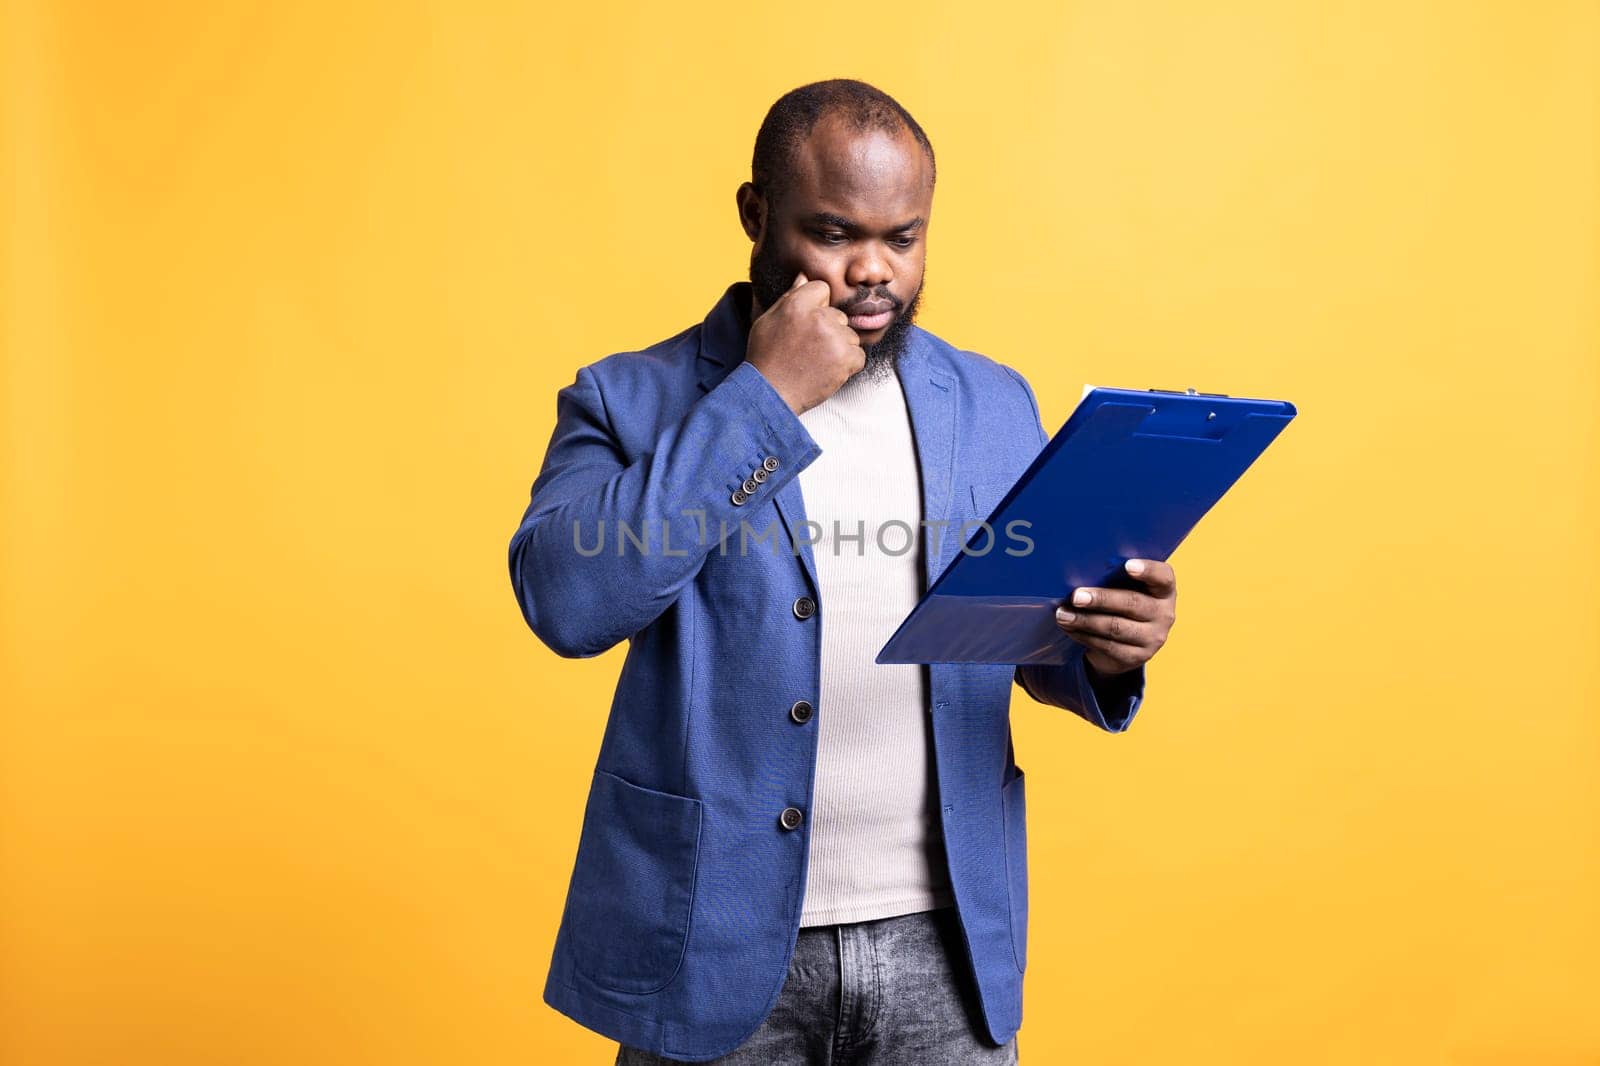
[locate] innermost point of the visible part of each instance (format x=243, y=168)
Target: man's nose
x=869, y=268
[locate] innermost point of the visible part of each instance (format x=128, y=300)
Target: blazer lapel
x=722, y=338
x=931, y=401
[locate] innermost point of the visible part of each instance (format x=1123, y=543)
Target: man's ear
x=752, y=211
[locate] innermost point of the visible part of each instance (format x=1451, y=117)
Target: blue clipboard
x=1128, y=476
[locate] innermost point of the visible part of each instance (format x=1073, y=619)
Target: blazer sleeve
x=660, y=514
x=1107, y=702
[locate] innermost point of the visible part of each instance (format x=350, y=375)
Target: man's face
x=855, y=214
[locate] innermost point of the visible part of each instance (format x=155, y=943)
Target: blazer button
x=770, y=463
x=800, y=712
x=750, y=485
x=738, y=497
x=758, y=475
x=790, y=818
x=805, y=607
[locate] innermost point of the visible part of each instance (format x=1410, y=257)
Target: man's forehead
x=878, y=170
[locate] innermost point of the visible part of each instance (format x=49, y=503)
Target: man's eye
x=830, y=238
x=903, y=242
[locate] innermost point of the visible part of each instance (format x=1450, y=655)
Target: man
x=791, y=854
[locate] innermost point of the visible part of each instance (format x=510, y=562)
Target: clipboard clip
x=1190, y=392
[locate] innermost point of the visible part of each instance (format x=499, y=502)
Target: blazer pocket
x=633, y=884
x=1014, y=807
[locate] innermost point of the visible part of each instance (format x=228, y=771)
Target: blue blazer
x=685, y=895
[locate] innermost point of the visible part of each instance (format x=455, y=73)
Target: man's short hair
x=796, y=113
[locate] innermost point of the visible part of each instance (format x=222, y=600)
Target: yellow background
x=288, y=293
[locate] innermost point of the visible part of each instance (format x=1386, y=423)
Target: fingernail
x=1083, y=597
x=1135, y=566
x=1064, y=615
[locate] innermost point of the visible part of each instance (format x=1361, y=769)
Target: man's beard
x=770, y=279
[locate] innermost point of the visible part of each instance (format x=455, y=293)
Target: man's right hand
x=804, y=346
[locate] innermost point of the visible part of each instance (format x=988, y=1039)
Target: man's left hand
x=1123, y=628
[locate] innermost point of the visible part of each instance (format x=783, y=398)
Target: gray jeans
x=890, y=992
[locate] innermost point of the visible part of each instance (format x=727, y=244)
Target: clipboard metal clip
x=1190, y=392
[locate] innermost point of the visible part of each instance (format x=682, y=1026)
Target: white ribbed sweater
x=876, y=848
